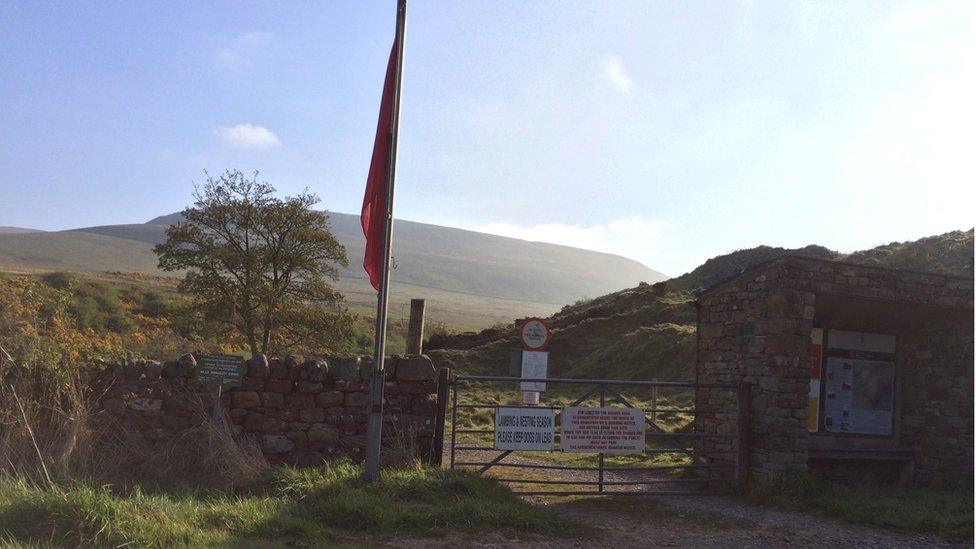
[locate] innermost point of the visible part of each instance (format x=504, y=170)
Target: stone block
x=417, y=387
x=323, y=432
x=277, y=369
x=252, y=383
x=187, y=366
x=258, y=366
x=310, y=387
x=708, y=330
x=344, y=369
x=415, y=368
x=272, y=400
x=316, y=370
x=296, y=436
x=256, y=422
x=171, y=369
x=276, y=444
x=153, y=369
x=279, y=386
x=353, y=441
x=424, y=405
x=330, y=398
x=245, y=399
x=366, y=369
x=356, y=400
x=300, y=401
x=312, y=415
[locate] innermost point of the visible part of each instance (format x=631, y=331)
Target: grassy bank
x=945, y=511
x=328, y=505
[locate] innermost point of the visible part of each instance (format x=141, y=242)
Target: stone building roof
x=823, y=276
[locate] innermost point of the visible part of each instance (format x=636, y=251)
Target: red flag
x=373, y=216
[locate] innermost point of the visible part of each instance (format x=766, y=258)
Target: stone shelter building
x=854, y=372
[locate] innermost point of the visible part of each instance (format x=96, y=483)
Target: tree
x=258, y=264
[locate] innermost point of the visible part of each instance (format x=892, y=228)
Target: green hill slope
x=495, y=278
x=648, y=332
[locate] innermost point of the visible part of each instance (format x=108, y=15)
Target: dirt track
x=699, y=522
x=689, y=521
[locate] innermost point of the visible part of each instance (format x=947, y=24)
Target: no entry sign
x=534, y=334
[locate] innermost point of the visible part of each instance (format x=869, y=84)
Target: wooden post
x=745, y=415
x=415, y=330
x=215, y=395
x=443, y=382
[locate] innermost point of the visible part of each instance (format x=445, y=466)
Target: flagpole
x=374, y=426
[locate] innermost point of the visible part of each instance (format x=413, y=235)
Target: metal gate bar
x=729, y=459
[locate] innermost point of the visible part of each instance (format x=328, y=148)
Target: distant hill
x=442, y=259
x=15, y=230
x=648, y=332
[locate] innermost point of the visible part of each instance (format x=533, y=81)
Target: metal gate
x=678, y=459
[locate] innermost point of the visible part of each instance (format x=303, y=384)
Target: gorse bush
x=48, y=363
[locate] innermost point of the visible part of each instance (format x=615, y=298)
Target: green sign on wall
x=222, y=370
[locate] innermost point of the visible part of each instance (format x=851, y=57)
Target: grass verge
x=945, y=511
x=323, y=506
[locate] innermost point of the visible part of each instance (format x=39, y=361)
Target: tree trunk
x=266, y=343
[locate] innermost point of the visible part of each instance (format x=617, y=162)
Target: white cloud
x=248, y=136
x=241, y=52
x=613, y=70
x=634, y=237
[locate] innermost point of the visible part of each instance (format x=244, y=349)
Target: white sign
x=602, y=430
x=534, y=334
x=529, y=428
x=535, y=365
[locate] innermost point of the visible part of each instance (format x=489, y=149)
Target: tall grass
x=329, y=504
x=53, y=431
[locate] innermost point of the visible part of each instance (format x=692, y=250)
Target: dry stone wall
x=300, y=411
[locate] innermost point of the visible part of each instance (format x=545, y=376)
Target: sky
x=667, y=132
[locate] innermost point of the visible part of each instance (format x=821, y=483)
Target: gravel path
x=690, y=521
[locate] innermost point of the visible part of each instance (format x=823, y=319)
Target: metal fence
x=696, y=463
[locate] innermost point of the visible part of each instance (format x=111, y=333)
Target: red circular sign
x=535, y=334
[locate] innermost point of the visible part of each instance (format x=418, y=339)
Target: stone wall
x=756, y=327
x=937, y=394
x=299, y=411
x=751, y=330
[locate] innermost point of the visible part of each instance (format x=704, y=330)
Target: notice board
x=525, y=428
x=859, y=383
x=602, y=430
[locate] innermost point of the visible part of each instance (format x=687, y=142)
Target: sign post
x=217, y=372
x=535, y=335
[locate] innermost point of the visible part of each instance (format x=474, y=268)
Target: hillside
x=649, y=331
x=476, y=279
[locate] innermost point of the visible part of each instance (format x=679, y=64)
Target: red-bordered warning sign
x=535, y=334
